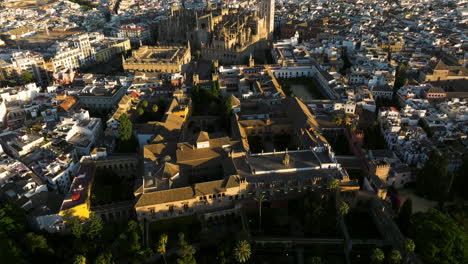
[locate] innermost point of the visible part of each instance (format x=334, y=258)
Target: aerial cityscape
x=234, y=131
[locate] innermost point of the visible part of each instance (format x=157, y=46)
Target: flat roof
x=79, y=187
x=274, y=161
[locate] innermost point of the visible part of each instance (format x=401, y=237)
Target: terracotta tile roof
x=154, y=151
x=68, y=103
x=187, y=193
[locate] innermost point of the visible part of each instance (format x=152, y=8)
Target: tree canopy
x=460, y=184
x=438, y=238
x=161, y=246
x=242, y=251
x=395, y=257
x=344, y=209
x=27, y=77
x=378, y=256
x=186, y=251
x=125, y=128
x=433, y=180
x=404, y=217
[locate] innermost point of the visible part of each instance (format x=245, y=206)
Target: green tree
x=215, y=92
x=186, y=251
x=337, y=120
x=433, y=180
x=223, y=259
x=198, y=53
x=12, y=227
x=395, y=257
x=144, y=104
x=95, y=227
x=134, y=231
x=27, y=77
x=155, y=108
x=314, y=260
x=104, y=258
x=140, y=111
x=125, y=128
x=460, y=184
x=260, y=198
x=401, y=78
x=79, y=259
x=161, y=246
x=344, y=209
x=409, y=247
x=37, y=244
x=242, y=251
x=333, y=184
x=438, y=238
x=378, y=256
x=346, y=62
x=404, y=217
x=77, y=228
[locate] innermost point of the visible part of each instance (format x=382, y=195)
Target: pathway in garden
x=420, y=204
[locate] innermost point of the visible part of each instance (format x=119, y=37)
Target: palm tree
x=315, y=260
x=409, y=248
x=333, y=184
x=79, y=259
x=338, y=120
x=395, y=257
x=161, y=246
x=378, y=256
x=260, y=198
x=242, y=251
x=155, y=108
x=344, y=209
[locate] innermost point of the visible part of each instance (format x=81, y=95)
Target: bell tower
x=268, y=13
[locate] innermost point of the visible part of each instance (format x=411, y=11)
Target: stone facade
x=227, y=35
x=171, y=59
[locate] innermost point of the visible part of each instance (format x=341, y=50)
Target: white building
x=31, y=62
x=3, y=112
x=74, y=53
x=136, y=33
x=82, y=131
x=23, y=93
